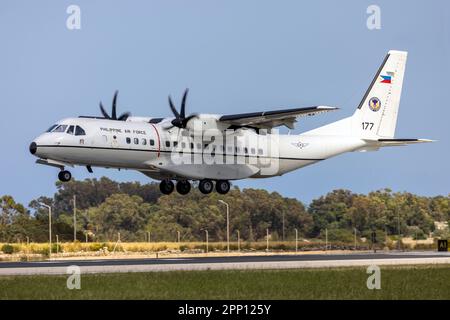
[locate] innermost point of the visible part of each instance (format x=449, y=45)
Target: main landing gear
x=64, y=176
x=166, y=186
x=206, y=186
x=183, y=187
x=222, y=186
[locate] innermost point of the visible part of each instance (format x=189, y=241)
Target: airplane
x=215, y=149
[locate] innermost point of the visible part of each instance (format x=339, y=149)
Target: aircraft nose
x=33, y=147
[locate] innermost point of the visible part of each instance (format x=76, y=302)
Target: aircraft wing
x=271, y=119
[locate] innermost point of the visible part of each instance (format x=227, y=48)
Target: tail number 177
x=367, y=125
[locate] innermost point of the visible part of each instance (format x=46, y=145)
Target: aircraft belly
x=212, y=171
x=284, y=166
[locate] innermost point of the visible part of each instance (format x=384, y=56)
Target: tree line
x=106, y=208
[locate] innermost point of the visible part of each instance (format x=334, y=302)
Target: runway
x=222, y=263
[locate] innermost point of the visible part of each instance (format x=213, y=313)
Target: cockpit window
x=79, y=131
x=70, y=130
x=51, y=128
x=60, y=128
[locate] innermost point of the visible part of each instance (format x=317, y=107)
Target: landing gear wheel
x=222, y=186
x=64, y=176
x=166, y=186
x=206, y=186
x=183, y=187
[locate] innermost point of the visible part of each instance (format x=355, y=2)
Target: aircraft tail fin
x=376, y=116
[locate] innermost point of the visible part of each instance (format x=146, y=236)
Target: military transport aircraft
x=214, y=149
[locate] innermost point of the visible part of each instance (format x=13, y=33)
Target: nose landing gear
x=64, y=176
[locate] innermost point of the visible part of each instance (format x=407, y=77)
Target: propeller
x=180, y=120
x=123, y=117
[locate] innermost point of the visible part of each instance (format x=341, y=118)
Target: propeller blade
x=124, y=116
x=174, y=110
x=186, y=120
x=104, y=113
x=183, y=104
x=113, y=113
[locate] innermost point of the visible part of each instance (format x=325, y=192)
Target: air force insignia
x=300, y=144
x=374, y=104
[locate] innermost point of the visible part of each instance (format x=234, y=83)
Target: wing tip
x=328, y=108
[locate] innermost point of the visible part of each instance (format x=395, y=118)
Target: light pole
x=206, y=233
x=239, y=240
x=49, y=227
x=398, y=229
x=74, y=218
x=228, y=224
x=296, y=240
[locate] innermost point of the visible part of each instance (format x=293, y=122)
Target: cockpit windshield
x=51, y=128
x=60, y=128
x=73, y=129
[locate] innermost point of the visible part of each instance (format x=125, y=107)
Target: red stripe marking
x=157, y=134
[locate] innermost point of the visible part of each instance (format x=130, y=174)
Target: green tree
x=121, y=213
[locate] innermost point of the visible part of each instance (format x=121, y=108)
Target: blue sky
x=235, y=56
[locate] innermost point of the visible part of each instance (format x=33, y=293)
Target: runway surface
x=221, y=263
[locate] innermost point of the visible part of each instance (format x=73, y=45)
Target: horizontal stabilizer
x=398, y=142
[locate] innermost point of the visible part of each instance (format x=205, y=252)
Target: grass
x=414, y=282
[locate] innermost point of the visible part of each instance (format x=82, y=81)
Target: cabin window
x=79, y=131
x=183, y=145
x=60, y=128
x=260, y=151
x=246, y=150
x=71, y=130
x=136, y=141
x=144, y=141
x=152, y=142
x=238, y=150
x=253, y=150
x=175, y=143
x=168, y=144
x=199, y=146
x=128, y=140
x=192, y=145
